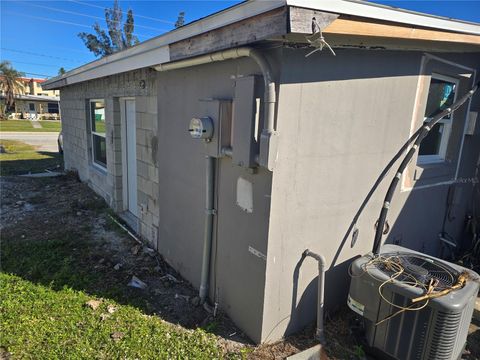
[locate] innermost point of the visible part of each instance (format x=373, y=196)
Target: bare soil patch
x=58, y=232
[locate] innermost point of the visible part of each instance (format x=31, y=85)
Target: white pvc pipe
x=322, y=265
x=267, y=151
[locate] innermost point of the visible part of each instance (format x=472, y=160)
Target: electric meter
x=201, y=128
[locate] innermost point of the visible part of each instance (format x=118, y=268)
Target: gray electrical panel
x=220, y=111
x=246, y=121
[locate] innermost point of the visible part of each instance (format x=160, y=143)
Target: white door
x=131, y=156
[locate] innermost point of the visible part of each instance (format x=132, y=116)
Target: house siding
x=108, y=183
x=340, y=120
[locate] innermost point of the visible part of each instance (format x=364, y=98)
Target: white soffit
x=387, y=13
x=156, y=51
x=157, y=48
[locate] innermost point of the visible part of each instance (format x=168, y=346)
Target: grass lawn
x=21, y=158
x=53, y=126
x=25, y=125
x=39, y=322
x=61, y=298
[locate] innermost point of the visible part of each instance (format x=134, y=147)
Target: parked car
x=60, y=143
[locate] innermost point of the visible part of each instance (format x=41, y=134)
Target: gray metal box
x=220, y=111
x=246, y=119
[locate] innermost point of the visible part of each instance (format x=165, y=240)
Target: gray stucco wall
x=340, y=120
x=237, y=276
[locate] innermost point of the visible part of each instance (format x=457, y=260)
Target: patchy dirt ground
x=36, y=210
x=95, y=255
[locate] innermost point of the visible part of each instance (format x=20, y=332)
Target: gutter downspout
x=322, y=265
x=268, y=138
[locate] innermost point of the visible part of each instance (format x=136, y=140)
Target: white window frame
x=447, y=126
x=92, y=133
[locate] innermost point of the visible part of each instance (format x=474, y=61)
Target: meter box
x=247, y=115
x=213, y=125
x=201, y=128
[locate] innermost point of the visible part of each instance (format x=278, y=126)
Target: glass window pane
x=98, y=116
x=431, y=143
x=53, y=108
x=99, y=150
x=440, y=96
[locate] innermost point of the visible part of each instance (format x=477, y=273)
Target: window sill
x=433, y=170
x=99, y=168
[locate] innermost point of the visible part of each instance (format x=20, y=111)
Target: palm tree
x=10, y=83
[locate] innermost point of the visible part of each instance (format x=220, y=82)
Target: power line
x=63, y=22
x=140, y=16
x=38, y=54
x=90, y=16
x=44, y=75
x=47, y=19
x=29, y=63
x=66, y=48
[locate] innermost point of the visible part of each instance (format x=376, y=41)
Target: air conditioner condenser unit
x=382, y=289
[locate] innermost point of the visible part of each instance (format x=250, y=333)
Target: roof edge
x=383, y=12
x=157, y=50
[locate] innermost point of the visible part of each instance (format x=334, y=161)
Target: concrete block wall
x=139, y=84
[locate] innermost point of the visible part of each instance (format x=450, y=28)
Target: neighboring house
x=35, y=107
x=33, y=86
x=291, y=167
x=33, y=102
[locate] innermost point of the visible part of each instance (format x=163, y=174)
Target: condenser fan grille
x=416, y=269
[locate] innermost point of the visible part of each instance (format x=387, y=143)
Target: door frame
x=123, y=137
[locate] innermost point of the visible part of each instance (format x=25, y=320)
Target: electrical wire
x=90, y=16
x=139, y=16
x=38, y=54
x=425, y=129
x=394, y=265
x=44, y=75
x=29, y=63
x=63, y=22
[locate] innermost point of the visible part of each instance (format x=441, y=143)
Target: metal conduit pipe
x=208, y=230
x=268, y=146
x=322, y=265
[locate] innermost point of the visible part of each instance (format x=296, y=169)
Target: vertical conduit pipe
x=322, y=265
x=208, y=230
x=268, y=146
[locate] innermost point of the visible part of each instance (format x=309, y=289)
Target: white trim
x=413, y=128
x=447, y=125
x=156, y=51
x=99, y=167
x=449, y=62
x=388, y=13
x=123, y=130
x=103, y=135
x=464, y=129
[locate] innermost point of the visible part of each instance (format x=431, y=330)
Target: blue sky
x=39, y=37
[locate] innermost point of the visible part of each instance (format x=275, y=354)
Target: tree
x=61, y=71
x=115, y=38
x=180, y=20
x=10, y=83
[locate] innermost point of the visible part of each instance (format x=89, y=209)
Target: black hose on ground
x=423, y=132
